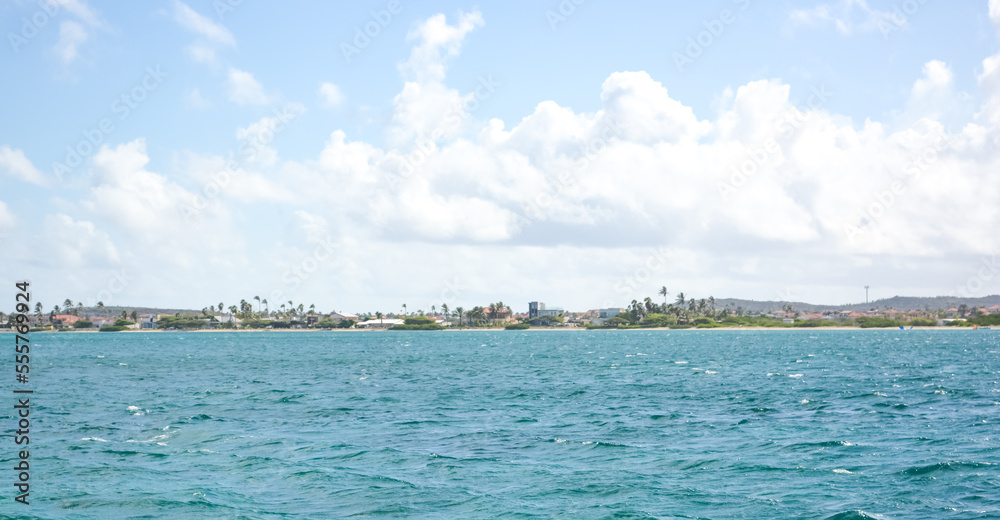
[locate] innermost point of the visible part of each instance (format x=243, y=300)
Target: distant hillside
x=114, y=310
x=901, y=303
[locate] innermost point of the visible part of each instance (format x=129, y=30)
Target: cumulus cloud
x=764, y=194
x=78, y=243
x=243, y=89
x=14, y=163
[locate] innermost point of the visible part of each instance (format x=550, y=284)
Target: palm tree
x=681, y=300
x=404, y=309
x=379, y=316
x=220, y=307
x=258, y=303
x=459, y=311
x=267, y=310
x=291, y=307
x=135, y=316
x=100, y=306
x=663, y=292
x=282, y=308
x=67, y=304
x=38, y=309
x=232, y=312
x=301, y=308
x=55, y=309
x=124, y=314
x=444, y=309
x=433, y=310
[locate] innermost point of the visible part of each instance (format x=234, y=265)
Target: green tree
x=459, y=311
x=663, y=292
x=258, y=303
x=681, y=300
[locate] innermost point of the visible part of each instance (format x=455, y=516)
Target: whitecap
x=711, y=372
x=98, y=439
x=123, y=364
x=102, y=357
x=680, y=362
x=795, y=375
x=133, y=408
x=804, y=401
x=842, y=471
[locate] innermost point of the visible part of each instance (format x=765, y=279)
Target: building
x=606, y=314
x=147, y=321
x=337, y=316
x=538, y=309
x=383, y=323
x=64, y=320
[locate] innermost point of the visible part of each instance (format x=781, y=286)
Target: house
x=64, y=320
x=605, y=314
x=337, y=316
x=102, y=322
x=383, y=323
x=147, y=321
x=788, y=321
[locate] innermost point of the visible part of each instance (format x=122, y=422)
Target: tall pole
x=866, y=295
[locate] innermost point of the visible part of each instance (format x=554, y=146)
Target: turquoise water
x=575, y=424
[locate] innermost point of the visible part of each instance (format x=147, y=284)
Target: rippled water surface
x=512, y=424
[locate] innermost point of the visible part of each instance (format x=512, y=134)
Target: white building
x=384, y=323
x=336, y=316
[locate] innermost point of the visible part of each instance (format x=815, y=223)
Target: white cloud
x=256, y=140
x=78, y=244
x=71, y=36
x=211, y=35
x=194, y=99
x=437, y=41
x=995, y=11
x=846, y=16
x=74, y=33
x=244, y=89
x=202, y=26
x=332, y=96
x=14, y=163
x=7, y=219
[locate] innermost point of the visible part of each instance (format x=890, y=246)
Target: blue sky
x=528, y=195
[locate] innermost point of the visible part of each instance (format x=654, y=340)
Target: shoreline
x=501, y=329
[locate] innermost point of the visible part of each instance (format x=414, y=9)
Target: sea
x=716, y=424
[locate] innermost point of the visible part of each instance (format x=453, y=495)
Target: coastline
x=501, y=329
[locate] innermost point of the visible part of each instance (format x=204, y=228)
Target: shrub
x=429, y=326
x=419, y=320
x=992, y=319
x=923, y=322
x=112, y=328
x=83, y=324
x=658, y=320
x=123, y=323
x=872, y=323
x=518, y=326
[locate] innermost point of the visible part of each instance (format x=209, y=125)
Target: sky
x=364, y=155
